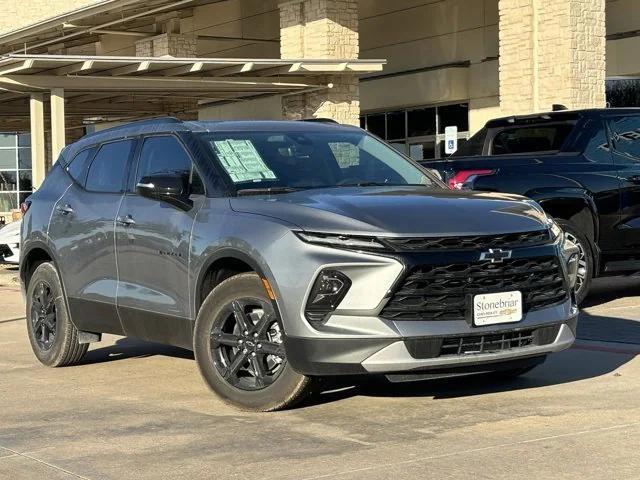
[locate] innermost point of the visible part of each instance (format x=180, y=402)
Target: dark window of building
x=79, y=165
x=377, y=125
x=419, y=132
x=15, y=170
x=534, y=139
x=165, y=155
x=626, y=136
x=108, y=169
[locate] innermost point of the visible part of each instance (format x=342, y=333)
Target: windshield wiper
x=266, y=191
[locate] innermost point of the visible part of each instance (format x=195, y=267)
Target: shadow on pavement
x=125, y=348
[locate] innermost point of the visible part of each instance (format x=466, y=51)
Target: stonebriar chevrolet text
x=283, y=252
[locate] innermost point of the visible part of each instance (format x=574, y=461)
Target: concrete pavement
x=138, y=410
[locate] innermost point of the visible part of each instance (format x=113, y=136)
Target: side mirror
x=169, y=188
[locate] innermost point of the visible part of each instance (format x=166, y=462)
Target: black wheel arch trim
x=235, y=254
x=41, y=245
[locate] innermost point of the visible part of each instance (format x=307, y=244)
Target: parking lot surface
x=139, y=410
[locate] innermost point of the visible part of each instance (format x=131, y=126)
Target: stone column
x=551, y=52
x=167, y=44
x=325, y=29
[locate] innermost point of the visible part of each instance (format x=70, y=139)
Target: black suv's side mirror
x=169, y=188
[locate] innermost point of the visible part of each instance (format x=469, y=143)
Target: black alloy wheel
x=43, y=315
x=247, y=345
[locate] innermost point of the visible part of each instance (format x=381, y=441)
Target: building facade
x=448, y=62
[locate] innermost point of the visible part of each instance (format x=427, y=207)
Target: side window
x=597, y=147
x=166, y=155
x=626, y=136
x=80, y=164
x=108, y=169
x=534, y=139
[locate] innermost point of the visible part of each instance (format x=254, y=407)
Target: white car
x=10, y=242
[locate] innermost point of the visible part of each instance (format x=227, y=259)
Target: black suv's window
x=474, y=146
x=533, y=139
x=107, y=171
x=166, y=155
x=626, y=136
x=79, y=165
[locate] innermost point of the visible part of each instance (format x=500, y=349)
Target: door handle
x=126, y=221
x=635, y=179
x=64, y=210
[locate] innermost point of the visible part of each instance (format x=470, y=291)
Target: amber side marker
x=268, y=288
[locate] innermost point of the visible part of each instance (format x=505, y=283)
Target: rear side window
x=626, y=136
x=108, y=169
x=80, y=164
x=533, y=139
x=165, y=155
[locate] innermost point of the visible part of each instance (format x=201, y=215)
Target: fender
x=227, y=252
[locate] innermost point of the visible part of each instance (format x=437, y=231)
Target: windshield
x=282, y=161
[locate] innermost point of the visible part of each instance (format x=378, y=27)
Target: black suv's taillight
x=463, y=180
x=327, y=292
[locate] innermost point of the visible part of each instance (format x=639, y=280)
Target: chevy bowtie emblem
x=496, y=255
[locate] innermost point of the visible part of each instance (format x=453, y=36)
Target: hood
x=398, y=211
x=10, y=231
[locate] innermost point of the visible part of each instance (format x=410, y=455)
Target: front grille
x=423, y=348
x=445, y=292
x=476, y=242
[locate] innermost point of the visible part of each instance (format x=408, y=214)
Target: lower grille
x=422, y=348
x=5, y=251
x=445, y=292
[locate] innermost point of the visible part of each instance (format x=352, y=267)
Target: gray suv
x=284, y=252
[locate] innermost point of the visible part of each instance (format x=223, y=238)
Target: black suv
x=582, y=167
x=281, y=252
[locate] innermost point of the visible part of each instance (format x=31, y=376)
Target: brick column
x=322, y=29
x=551, y=52
x=167, y=44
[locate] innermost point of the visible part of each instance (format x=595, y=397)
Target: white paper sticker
x=242, y=161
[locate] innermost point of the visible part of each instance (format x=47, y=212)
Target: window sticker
x=242, y=161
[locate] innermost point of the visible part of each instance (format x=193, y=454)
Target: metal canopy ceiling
x=110, y=86
x=84, y=25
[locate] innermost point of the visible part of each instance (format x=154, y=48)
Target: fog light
x=327, y=292
x=572, y=269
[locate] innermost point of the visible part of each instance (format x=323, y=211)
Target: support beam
x=58, y=136
x=38, y=162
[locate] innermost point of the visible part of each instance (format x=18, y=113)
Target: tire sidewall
x=588, y=249
x=47, y=272
x=286, y=386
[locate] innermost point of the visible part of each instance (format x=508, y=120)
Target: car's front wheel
x=239, y=348
x=54, y=339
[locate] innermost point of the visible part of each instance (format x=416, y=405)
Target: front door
x=625, y=132
x=82, y=228
x=153, y=243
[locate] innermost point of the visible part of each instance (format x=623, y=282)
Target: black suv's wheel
x=239, y=347
x=585, y=262
x=54, y=339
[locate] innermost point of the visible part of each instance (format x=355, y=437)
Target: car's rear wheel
x=238, y=344
x=54, y=339
x=585, y=260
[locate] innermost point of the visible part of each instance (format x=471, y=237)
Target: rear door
x=82, y=229
x=153, y=244
x=625, y=133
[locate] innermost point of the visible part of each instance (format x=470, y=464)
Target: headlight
x=554, y=228
x=341, y=241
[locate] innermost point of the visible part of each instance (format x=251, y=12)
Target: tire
x=234, y=362
x=54, y=339
x=586, y=259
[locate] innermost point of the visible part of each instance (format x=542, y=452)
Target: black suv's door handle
x=64, y=210
x=126, y=221
x=635, y=179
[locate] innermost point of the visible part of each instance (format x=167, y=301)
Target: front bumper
x=374, y=355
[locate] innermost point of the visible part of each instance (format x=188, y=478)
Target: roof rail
x=138, y=123
x=319, y=120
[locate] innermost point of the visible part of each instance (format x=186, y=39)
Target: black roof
x=558, y=116
x=174, y=125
